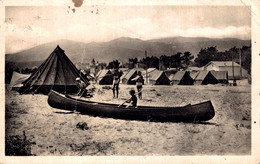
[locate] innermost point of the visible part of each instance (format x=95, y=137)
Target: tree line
x=184, y=60
x=212, y=54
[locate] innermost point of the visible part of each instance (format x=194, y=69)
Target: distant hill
x=123, y=48
x=195, y=44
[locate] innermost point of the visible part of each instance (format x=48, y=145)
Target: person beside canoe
x=90, y=89
x=116, y=81
x=132, y=101
x=139, y=83
x=81, y=87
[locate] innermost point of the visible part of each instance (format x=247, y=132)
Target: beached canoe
x=198, y=112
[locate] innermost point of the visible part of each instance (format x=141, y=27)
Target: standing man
x=139, y=83
x=116, y=81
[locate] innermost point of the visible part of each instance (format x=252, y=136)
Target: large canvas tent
x=159, y=78
x=204, y=78
x=105, y=77
x=221, y=76
x=181, y=78
x=17, y=79
x=57, y=72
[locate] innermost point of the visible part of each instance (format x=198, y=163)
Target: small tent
x=17, y=79
x=105, y=77
x=193, y=75
x=204, y=78
x=221, y=76
x=57, y=72
x=127, y=78
x=170, y=71
x=159, y=78
x=124, y=72
x=147, y=74
x=181, y=78
x=149, y=70
x=195, y=69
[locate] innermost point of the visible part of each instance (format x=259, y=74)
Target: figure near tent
x=84, y=90
x=116, y=81
x=139, y=83
x=81, y=87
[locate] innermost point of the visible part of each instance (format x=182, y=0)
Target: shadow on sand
x=200, y=123
x=65, y=112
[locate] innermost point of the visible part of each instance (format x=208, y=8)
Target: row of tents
x=157, y=77
x=57, y=72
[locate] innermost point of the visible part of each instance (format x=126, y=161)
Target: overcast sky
x=30, y=26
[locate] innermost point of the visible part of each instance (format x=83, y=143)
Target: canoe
x=198, y=112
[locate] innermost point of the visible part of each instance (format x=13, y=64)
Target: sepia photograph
x=146, y=80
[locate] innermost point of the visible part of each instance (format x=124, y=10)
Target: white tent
x=17, y=79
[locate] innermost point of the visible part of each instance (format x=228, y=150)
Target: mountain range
x=123, y=49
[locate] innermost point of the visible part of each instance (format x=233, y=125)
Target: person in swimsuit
x=116, y=81
x=139, y=83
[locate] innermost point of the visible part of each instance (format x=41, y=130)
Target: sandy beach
x=54, y=132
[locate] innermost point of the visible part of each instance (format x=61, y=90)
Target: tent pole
x=233, y=66
x=145, y=54
x=240, y=61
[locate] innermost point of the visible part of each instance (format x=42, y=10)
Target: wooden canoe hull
x=189, y=113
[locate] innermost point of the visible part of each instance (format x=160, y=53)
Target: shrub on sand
x=18, y=145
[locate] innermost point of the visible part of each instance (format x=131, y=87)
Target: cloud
x=242, y=32
x=105, y=30
x=18, y=38
x=25, y=28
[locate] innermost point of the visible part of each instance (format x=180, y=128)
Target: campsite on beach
x=128, y=80
x=75, y=133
